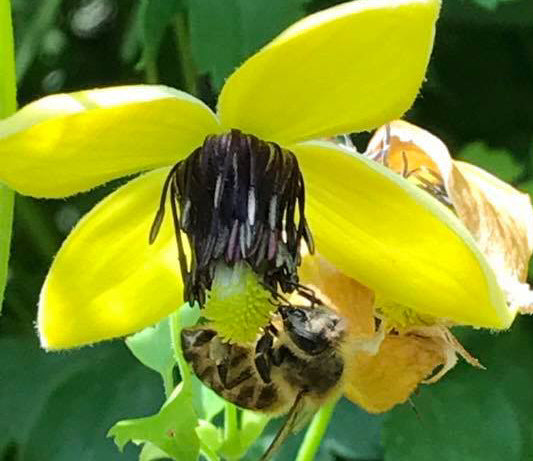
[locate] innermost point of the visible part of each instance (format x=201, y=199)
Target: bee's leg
x=234, y=369
x=230, y=383
x=288, y=426
x=262, y=361
x=278, y=356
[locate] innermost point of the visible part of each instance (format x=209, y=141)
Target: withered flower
x=401, y=346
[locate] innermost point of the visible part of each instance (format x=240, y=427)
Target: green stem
x=150, y=71
x=8, y=105
x=231, y=431
x=175, y=329
x=316, y=431
x=168, y=382
x=41, y=22
x=184, y=50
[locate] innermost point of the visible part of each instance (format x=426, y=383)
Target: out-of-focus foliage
x=235, y=29
x=498, y=162
x=490, y=4
x=476, y=98
x=474, y=415
x=49, y=400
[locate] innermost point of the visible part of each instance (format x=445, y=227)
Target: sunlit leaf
x=207, y=403
x=209, y=434
x=153, y=348
x=150, y=452
x=252, y=425
x=172, y=429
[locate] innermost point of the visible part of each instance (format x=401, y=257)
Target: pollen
x=238, y=305
x=402, y=317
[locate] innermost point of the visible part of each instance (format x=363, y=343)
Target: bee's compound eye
x=298, y=314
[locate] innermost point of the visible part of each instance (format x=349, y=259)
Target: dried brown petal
x=379, y=382
x=353, y=300
x=501, y=220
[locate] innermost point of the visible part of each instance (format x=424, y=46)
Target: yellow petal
x=67, y=143
x=379, y=382
x=348, y=68
x=397, y=240
x=499, y=217
x=107, y=281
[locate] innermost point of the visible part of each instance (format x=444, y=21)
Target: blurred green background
x=478, y=98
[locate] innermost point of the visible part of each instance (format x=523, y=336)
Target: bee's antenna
x=413, y=407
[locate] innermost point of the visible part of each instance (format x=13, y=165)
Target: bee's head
x=312, y=329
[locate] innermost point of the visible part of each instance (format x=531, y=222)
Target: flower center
x=237, y=198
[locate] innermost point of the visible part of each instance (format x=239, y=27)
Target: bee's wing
x=294, y=419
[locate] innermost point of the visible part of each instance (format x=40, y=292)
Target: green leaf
x=42, y=21
x=252, y=425
x=207, y=403
x=156, y=16
x=209, y=434
x=353, y=433
x=472, y=413
x=172, y=429
x=79, y=394
x=225, y=33
x=153, y=348
x=498, y=162
x=150, y=452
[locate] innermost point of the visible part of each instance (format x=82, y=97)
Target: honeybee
x=294, y=366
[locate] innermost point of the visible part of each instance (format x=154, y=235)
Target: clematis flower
x=412, y=344
x=349, y=68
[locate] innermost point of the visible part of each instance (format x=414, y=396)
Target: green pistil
x=238, y=305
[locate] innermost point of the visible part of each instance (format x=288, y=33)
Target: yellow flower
x=348, y=68
x=389, y=366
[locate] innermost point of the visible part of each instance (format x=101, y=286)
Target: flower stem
x=168, y=382
x=184, y=49
x=8, y=105
x=175, y=328
x=231, y=430
x=315, y=432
